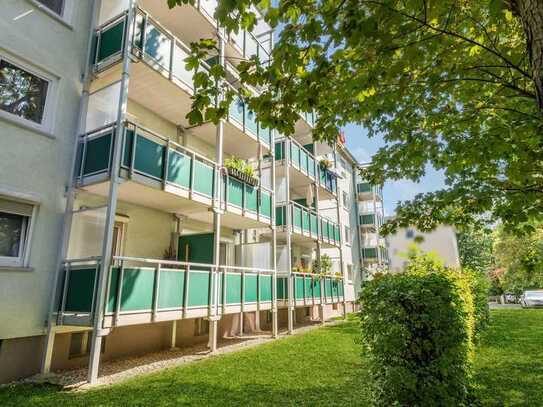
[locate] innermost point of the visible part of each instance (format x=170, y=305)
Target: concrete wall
x=37, y=165
x=441, y=241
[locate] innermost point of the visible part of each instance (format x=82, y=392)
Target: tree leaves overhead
x=448, y=83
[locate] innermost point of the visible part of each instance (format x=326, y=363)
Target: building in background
x=441, y=241
x=374, y=247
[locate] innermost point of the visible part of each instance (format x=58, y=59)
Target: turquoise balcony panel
x=265, y=204
x=279, y=150
x=305, y=221
x=265, y=284
x=304, y=161
x=251, y=198
x=149, y=155
x=234, y=192
x=233, y=288
x=316, y=288
x=313, y=223
x=96, y=154
x=311, y=166
x=280, y=216
x=297, y=216
x=299, y=287
x=110, y=40
x=308, y=286
x=282, y=288
x=179, y=168
x=80, y=289
x=204, y=176
x=265, y=135
x=295, y=154
x=251, y=286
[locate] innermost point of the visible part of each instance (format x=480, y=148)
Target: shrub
x=480, y=289
x=417, y=330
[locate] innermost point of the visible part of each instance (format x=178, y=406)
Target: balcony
x=143, y=291
x=371, y=220
x=164, y=175
x=307, y=227
x=304, y=169
x=162, y=84
x=366, y=191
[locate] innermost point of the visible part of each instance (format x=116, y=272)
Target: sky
x=363, y=147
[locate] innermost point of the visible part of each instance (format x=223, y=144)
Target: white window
x=347, y=235
x=15, y=227
x=25, y=95
x=56, y=6
x=350, y=272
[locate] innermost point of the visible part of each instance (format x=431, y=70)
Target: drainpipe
x=317, y=210
x=288, y=213
x=341, y=231
x=70, y=195
x=98, y=332
x=358, y=226
x=275, y=326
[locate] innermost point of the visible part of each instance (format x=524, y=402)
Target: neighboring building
x=374, y=247
x=43, y=50
x=441, y=241
x=123, y=228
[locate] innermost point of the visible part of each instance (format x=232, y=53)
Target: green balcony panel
x=251, y=286
x=328, y=288
x=335, y=289
x=325, y=231
x=111, y=41
x=137, y=289
x=170, y=289
x=311, y=166
x=297, y=216
x=313, y=222
x=237, y=110
x=197, y=248
x=282, y=290
x=308, y=283
x=280, y=216
x=250, y=122
x=179, y=168
x=295, y=154
x=80, y=290
x=341, y=289
x=322, y=176
x=309, y=147
x=265, y=204
x=264, y=134
x=279, y=150
x=149, y=157
x=317, y=288
x=305, y=221
x=363, y=187
x=299, y=287
x=251, y=198
x=233, y=289
x=203, y=178
x=97, y=154
x=198, y=289
x=234, y=192
x=265, y=285
x=337, y=237
x=367, y=219
x=369, y=252
x=157, y=46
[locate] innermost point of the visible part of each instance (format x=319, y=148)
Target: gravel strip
x=118, y=370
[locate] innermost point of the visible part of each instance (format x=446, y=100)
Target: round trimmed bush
x=417, y=330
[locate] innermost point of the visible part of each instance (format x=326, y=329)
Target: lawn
x=322, y=367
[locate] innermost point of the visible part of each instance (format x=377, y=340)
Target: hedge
x=417, y=335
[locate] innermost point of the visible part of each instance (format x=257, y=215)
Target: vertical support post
x=318, y=249
x=341, y=231
x=275, y=325
x=358, y=246
x=173, y=343
x=288, y=213
x=219, y=138
x=97, y=334
x=242, y=305
x=70, y=196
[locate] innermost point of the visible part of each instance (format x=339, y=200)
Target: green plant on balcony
x=338, y=276
x=240, y=169
x=323, y=266
x=325, y=164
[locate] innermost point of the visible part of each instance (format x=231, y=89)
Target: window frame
x=67, y=12
x=22, y=260
x=46, y=125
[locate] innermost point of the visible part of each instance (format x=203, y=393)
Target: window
x=350, y=272
x=345, y=200
x=347, y=235
x=56, y=6
x=24, y=95
x=410, y=233
x=15, y=222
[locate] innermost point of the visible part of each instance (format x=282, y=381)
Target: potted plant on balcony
x=240, y=169
x=322, y=267
x=325, y=164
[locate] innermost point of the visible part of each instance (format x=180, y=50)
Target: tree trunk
x=530, y=13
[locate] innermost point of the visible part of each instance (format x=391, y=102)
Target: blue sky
x=363, y=147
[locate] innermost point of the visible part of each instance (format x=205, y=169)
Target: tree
x=519, y=260
x=475, y=249
x=455, y=84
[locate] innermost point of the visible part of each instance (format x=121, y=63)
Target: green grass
x=509, y=359
x=322, y=367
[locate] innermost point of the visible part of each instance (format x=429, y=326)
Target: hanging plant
x=240, y=169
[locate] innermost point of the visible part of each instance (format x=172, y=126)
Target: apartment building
x=374, y=247
x=131, y=231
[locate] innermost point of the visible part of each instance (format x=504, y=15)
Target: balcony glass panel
x=110, y=42
x=295, y=154
x=234, y=192
x=238, y=39
x=279, y=150
x=265, y=284
x=305, y=220
x=280, y=216
x=313, y=222
x=265, y=135
x=80, y=290
x=265, y=204
x=308, y=285
x=311, y=166
x=251, y=46
x=178, y=66
x=208, y=7
x=157, y=45
x=179, y=168
x=251, y=198
x=251, y=285
x=237, y=110
x=250, y=122
x=97, y=154
x=203, y=178
x=297, y=216
x=233, y=288
x=299, y=287
x=149, y=155
x=282, y=291
x=303, y=160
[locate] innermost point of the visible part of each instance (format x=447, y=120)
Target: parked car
x=532, y=298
